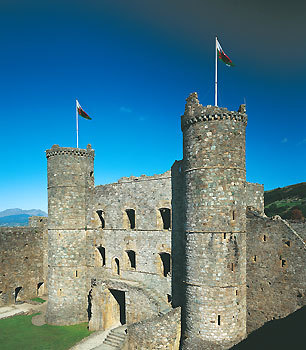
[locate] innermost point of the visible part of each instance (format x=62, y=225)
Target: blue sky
x=131, y=64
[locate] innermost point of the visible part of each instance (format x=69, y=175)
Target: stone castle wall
x=161, y=332
x=22, y=252
x=255, y=196
x=276, y=279
x=121, y=253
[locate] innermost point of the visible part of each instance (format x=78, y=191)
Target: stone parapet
x=57, y=150
x=195, y=112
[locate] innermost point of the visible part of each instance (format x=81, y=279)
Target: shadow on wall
x=283, y=334
x=178, y=240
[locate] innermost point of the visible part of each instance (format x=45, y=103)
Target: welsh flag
x=223, y=57
x=81, y=111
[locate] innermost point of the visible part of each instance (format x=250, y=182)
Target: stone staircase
x=161, y=305
x=114, y=339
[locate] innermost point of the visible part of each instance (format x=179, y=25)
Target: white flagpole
x=77, y=122
x=216, y=75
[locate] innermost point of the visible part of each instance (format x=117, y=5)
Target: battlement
x=57, y=150
x=195, y=112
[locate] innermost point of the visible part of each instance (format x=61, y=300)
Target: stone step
x=116, y=337
x=113, y=340
x=109, y=342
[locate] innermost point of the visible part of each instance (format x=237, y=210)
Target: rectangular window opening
x=166, y=217
x=232, y=267
x=264, y=238
x=224, y=235
x=131, y=216
x=219, y=320
x=76, y=273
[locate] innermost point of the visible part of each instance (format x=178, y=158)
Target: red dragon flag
x=223, y=57
x=81, y=111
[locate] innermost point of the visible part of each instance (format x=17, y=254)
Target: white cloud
x=284, y=140
x=125, y=109
x=303, y=142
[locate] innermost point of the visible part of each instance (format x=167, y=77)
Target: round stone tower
x=214, y=311
x=70, y=185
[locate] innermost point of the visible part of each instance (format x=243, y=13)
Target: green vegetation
x=39, y=300
x=289, y=202
x=18, y=332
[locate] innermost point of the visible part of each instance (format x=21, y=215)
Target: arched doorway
x=16, y=294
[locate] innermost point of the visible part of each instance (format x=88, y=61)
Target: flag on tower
x=223, y=57
x=81, y=111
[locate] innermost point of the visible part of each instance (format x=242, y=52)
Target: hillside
x=18, y=217
x=283, y=201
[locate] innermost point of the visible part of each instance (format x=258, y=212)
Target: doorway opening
x=119, y=296
x=17, y=290
x=166, y=263
x=40, y=289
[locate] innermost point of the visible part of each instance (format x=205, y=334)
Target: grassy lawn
x=39, y=300
x=19, y=333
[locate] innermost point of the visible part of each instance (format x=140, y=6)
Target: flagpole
x=216, y=75
x=77, y=122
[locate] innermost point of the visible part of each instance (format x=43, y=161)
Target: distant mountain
x=18, y=217
x=17, y=211
x=287, y=202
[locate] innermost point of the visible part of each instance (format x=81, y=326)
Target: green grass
x=39, y=300
x=19, y=333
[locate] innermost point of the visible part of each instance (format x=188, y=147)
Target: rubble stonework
x=186, y=258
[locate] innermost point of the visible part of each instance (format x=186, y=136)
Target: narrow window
x=101, y=250
x=236, y=291
x=165, y=258
x=232, y=267
x=132, y=258
x=234, y=215
x=254, y=258
x=101, y=217
x=166, y=217
x=264, y=238
x=224, y=235
x=117, y=266
x=76, y=273
x=169, y=298
x=131, y=216
x=219, y=320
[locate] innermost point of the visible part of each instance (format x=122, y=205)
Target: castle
x=183, y=259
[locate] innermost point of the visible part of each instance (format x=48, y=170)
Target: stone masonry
x=186, y=259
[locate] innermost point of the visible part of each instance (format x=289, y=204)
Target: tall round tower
x=214, y=312
x=70, y=184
